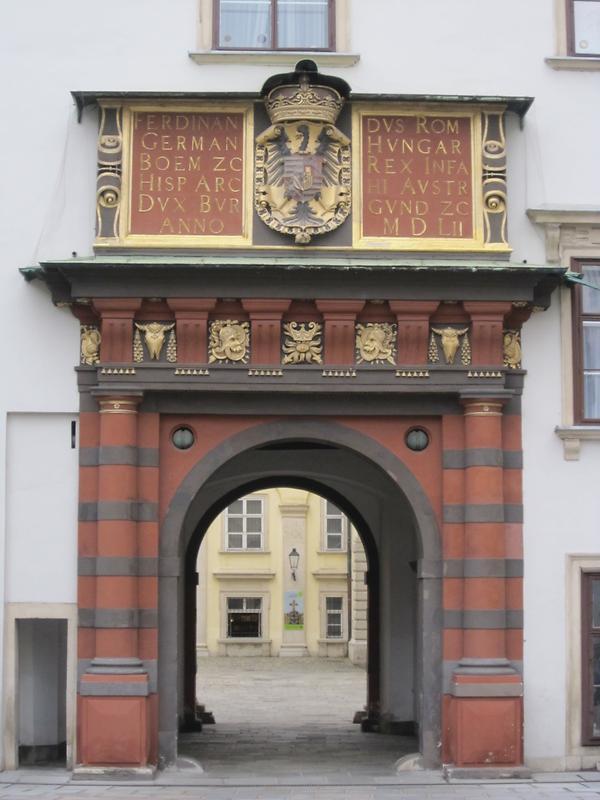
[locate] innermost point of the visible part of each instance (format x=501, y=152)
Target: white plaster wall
x=48, y=169
x=41, y=509
x=562, y=515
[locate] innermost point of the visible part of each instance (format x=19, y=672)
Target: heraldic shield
x=303, y=175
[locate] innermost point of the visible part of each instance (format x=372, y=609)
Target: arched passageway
x=389, y=509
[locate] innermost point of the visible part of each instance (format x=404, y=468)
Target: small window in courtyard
x=333, y=610
x=591, y=658
x=586, y=318
x=244, y=617
x=583, y=21
x=335, y=527
x=244, y=524
x=274, y=24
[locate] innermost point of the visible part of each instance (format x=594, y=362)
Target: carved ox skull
x=450, y=339
x=154, y=336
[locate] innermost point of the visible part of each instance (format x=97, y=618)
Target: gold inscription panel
x=418, y=179
x=187, y=176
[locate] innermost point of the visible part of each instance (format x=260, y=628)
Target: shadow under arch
x=209, y=486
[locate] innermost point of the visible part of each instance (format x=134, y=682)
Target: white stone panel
x=41, y=509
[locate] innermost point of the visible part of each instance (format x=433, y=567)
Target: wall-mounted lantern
x=294, y=561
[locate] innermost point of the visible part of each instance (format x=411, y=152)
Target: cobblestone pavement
x=283, y=732
x=288, y=716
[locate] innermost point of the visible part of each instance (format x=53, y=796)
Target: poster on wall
x=293, y=611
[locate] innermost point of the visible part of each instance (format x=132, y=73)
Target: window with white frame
x=586, y=330
x=244, y=617
x=244, y=524
x=334, y=617
x=583, y=27
x=335, y=528
x=274, y=24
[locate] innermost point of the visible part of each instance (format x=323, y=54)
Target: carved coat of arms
x=303, y=178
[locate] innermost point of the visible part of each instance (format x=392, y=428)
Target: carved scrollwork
x=302, y=343
x=90, y=345
x=494, y=178
x=229, y=341
x=511, y=341
x=451, y=340
x=376, y=343
x=108, y=184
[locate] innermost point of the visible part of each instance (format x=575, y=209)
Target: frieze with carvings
x=376, y=343
x=302, y=343
x=90, y=345
x=154, y=334
x=229, y=342
x=449, y=342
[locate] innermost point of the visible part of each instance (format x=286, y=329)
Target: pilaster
x=265, y=320
x=339, y=319
x=191, y=320
x=117, y=599
x=485, y=710
x=413, y=329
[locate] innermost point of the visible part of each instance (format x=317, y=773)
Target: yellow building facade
x=282, y=573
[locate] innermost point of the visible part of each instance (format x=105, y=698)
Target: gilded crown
x=304, y=94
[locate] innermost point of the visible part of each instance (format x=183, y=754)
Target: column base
x=486, y=773
x=114, y=773
x=113, y=716
x=357, y=652
x=485, y=716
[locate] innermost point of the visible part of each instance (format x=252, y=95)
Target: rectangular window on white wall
x=244, y=617
x=583, y=25
x=244, y=524
x=334, y=619
x=335, y=526
x=586, y=338
x=590, y=594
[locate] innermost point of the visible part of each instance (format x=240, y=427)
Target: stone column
x=486, y=707
x=113, y=705
x=357, y=646
x=293, y=536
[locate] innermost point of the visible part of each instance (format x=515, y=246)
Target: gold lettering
x=372, y=164
x=149, y=141
x=145, y=203
x=374, y=144
x=418, y=226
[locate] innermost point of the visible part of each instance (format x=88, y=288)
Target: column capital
x=191, y=306
x=413, y=308
x=487, y=308
x=265, y=308
x=119, y=403
x=117, y=307
x=483, y=406
x=340, y=308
